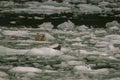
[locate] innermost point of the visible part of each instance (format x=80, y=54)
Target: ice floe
x=47, y=25
x=82, y=28
x=4, y=78
x=25, y=70
x=82, y=68
x=44, y=52
x=100, y=33
x=89, y=9
x=75, y=63
x=113, y=23
x=100, y=71
x=113, y=29
x=10, y=51
x=112, y=37
x=66, y=26
x=3, y=74
x=16, y=33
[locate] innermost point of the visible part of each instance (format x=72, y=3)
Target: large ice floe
x=25, y=70
x=44, y=52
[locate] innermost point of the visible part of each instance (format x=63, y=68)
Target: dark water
x=28, y=20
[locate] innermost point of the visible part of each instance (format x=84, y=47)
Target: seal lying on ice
x=57, y=47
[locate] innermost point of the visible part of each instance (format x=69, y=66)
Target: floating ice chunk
x=66, y=50
x=44, y=52
x=63, y=65
x=103, y=4
x=66, y=26
x=38, y=18
x=104, y=55
x=3, y=74
x=85, y=33
x=50, y=71
x=75, y=63
x=16, y=33
x=117, y=9
x=82, y=28
x=70, y=33
x=54, y=3
x=116, y=43
x=111, y=47
x=113, y=23
x=79, y=44
x=3, y=78
x=30, y=75
x=13, y=22
x=0, y=30
x=100, y=33
x=100, y=71
x=117, y=78
x=1, y=35
x=112, y=37
x=88, y=53
x=78, y=39
x=101, y=44
x=89, y=9
x=21, y=16
x=97, y=53
x=84, y=52
x=107, y=10
x=113, y=29
x=77, y=1
x=82, y=68
x=54, y=8
x=67, y=57
x=25, y=70
x=93, y=41
x=54, y=45
x=46, y=25
x=10, y=51
x=112, y=58
x=86, y=37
